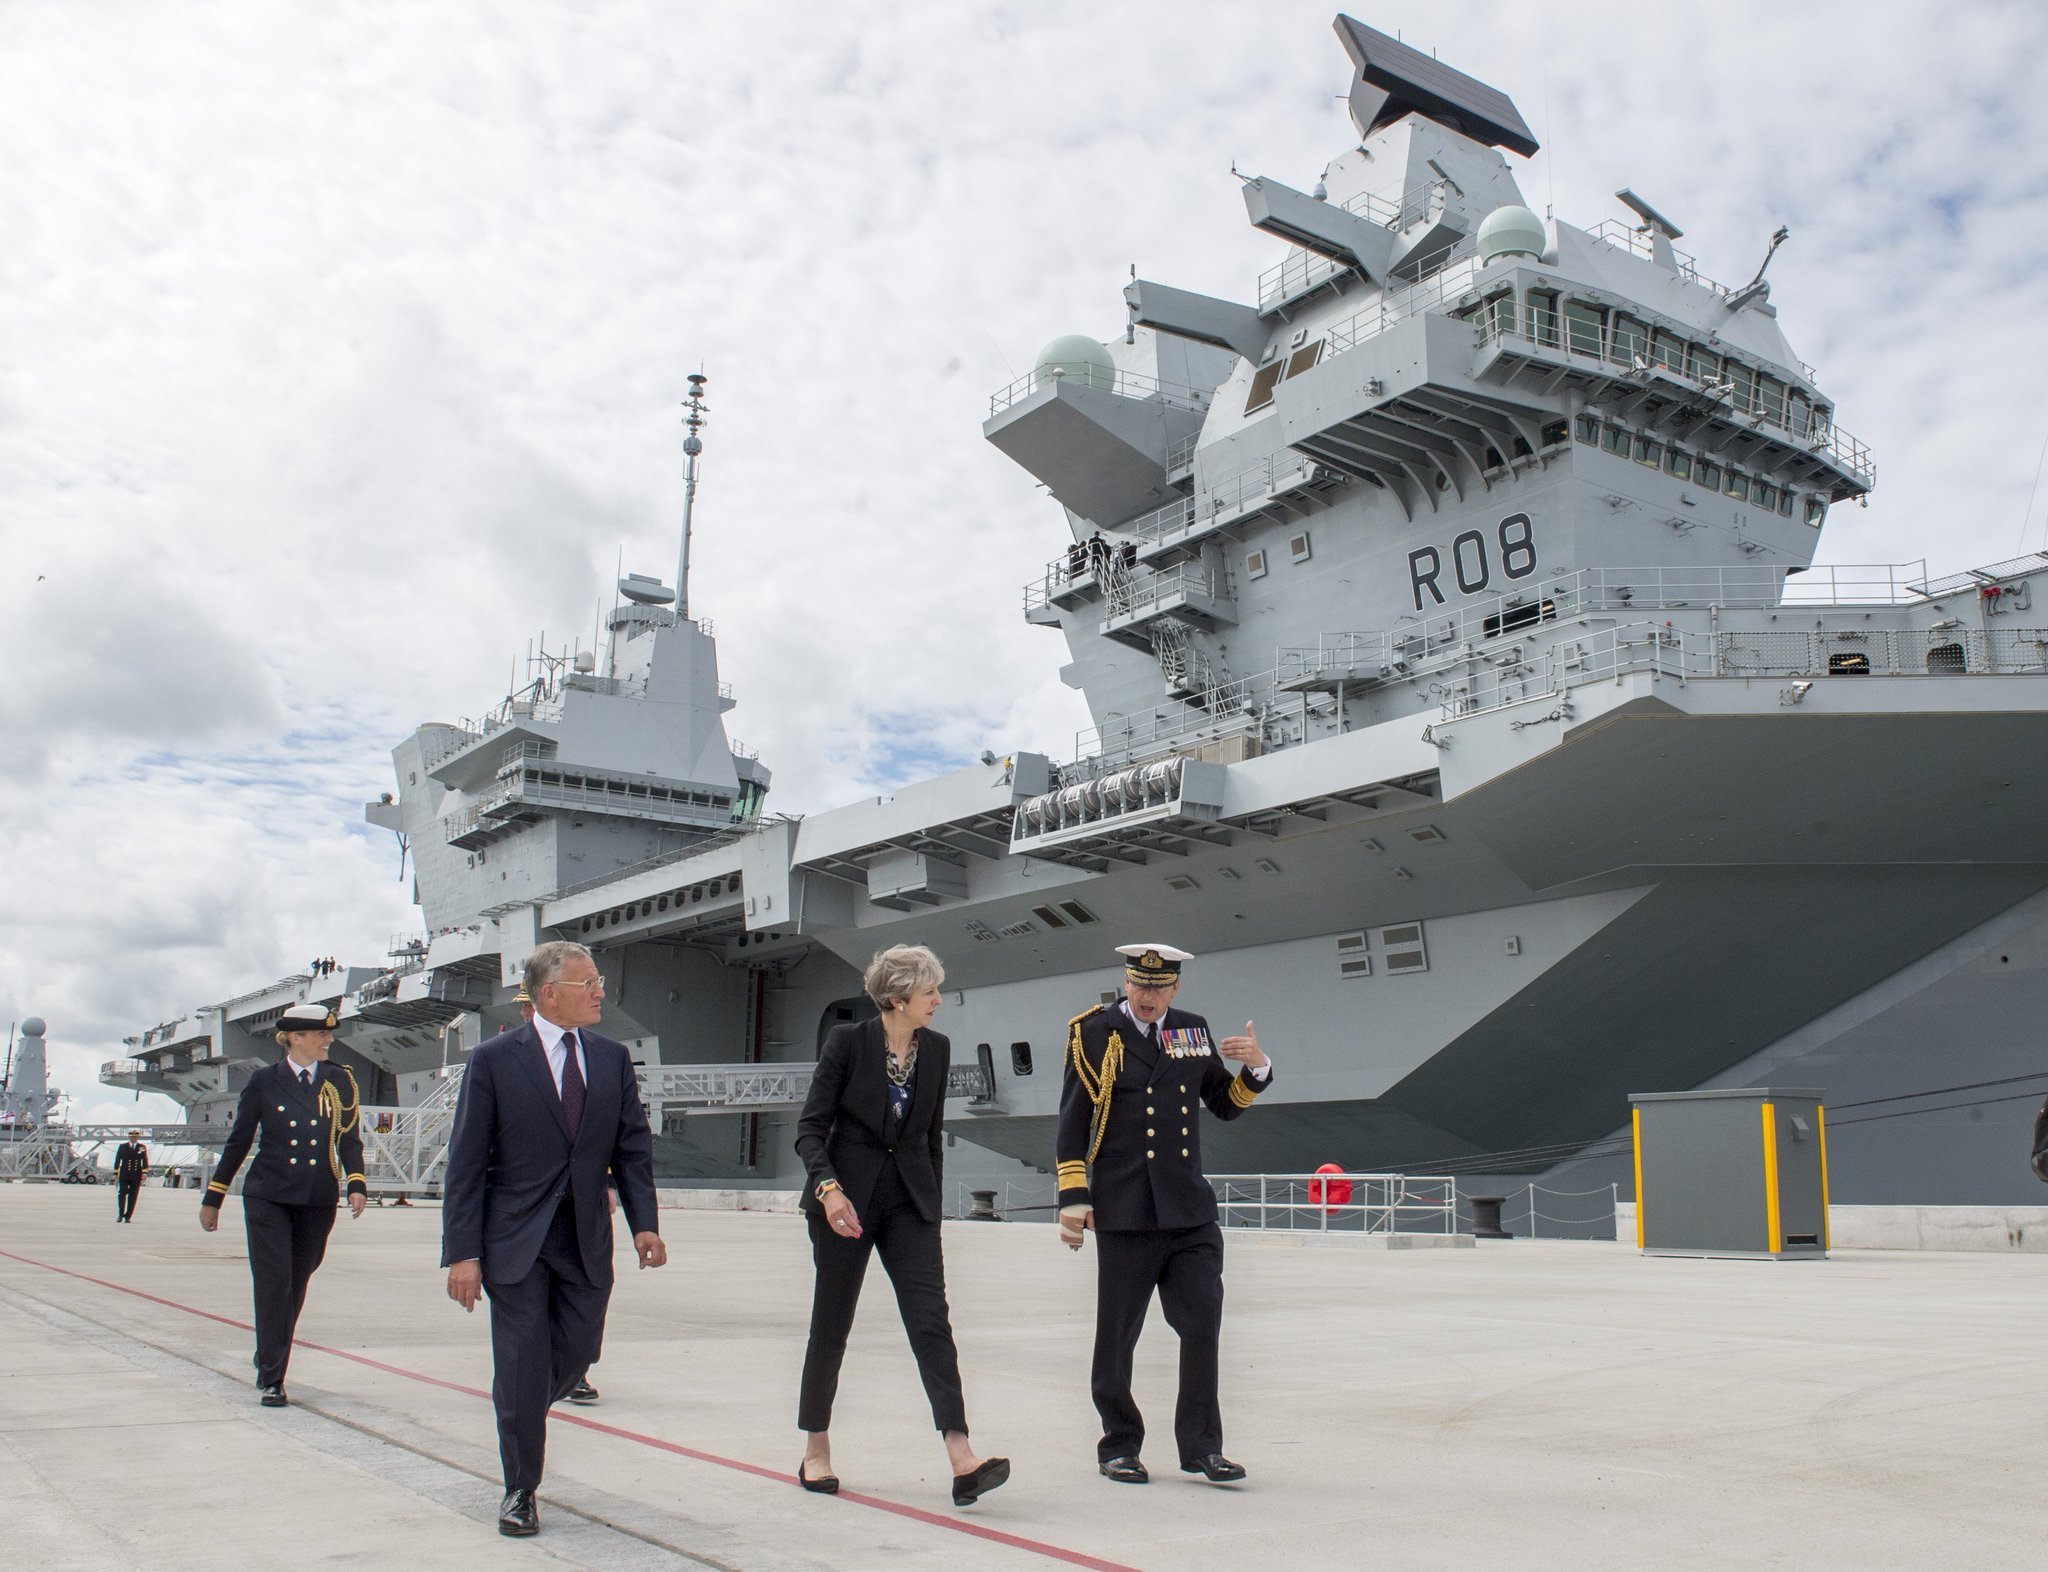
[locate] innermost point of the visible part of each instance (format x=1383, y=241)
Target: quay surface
x=1527, y=1404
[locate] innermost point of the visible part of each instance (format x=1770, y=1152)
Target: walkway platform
x=1527, y=1404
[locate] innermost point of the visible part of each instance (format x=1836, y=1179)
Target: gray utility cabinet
x=1737, y=1173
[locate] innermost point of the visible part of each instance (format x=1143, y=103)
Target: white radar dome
x=1078, y=358
x=33, y=1026
x=1511, y=232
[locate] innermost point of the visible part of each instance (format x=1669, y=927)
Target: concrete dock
x=1525, y=1404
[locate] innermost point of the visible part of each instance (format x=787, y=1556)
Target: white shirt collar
x=1144, y=1031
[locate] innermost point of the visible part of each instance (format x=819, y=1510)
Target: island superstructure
x=1463, y=693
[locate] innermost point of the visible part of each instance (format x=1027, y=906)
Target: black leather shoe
x=1218, y=1468
x=824, y=1484
x=273, y=1397
x=520, y=1515
x=1124, y=1470
x=582, y=1392
x=969, y=1488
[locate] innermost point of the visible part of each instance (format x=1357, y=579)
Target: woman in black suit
x=871, y=1137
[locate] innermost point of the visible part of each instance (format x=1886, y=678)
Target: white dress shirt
x=552, y=1038
x=1144, y=1031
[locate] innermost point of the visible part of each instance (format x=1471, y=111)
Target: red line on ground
x=879, y=1503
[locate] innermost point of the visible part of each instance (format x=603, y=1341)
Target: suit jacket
x=131, y=1160
x=844, y=1132
x=1147, y=1171
x=510, y=1160
x=310, y=1143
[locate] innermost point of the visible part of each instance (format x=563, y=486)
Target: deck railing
x=1343, y=1203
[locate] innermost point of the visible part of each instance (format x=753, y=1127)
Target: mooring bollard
x=1486, y=1217
x=984, y=1208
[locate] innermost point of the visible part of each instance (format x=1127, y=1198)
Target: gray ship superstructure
x=1463, y=694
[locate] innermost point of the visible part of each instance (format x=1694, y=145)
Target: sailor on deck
x=131, y=1165
x=311, y=1149
x=1129, y=1150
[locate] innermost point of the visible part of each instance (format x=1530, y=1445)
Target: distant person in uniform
x=872, y=1138
x=1129, y=1150
x=547, y=1111
x=310, y=1152
x=131, y=1167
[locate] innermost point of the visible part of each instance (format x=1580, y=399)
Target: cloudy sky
x=341, y=347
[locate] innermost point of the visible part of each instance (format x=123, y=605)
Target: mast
x=693, y=445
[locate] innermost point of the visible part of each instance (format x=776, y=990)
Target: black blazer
x=843, y=1133
x=510, y=1160
x=311, y=1144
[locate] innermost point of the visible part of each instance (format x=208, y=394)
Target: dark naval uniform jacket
x=311, y=1148
x=1130, y=1129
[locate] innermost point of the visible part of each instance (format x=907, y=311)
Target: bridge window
x=1802, y=414
x=1588, y=428
x=1649, y=452
x=1745, y=386
x=1738, y=485
x=1667, y=350
x=1615, y=440
x=1708, y=474
x=1770, y=398
x=1543, y=319
x=1701, y=363
x=1499, y=314
x=1816, y=510
x=1678, y=462
x=1784, y=503
x=1631, y=340
x=1764, y=495
x=1554, y=434
x=1584, y=327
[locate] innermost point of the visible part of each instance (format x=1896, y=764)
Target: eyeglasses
x=581, y=982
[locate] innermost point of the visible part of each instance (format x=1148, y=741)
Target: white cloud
x=343, y=356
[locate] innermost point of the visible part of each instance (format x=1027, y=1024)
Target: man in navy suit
x=549, y=1115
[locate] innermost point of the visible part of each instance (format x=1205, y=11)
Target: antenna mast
x=693, y=445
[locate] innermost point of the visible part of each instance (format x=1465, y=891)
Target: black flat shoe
x=824, y=1484
x=273, y=1397
x=582, y=1392
x=1218, y=1469
x=969, y=1488
x=520, y=1515
x=1124, y=1470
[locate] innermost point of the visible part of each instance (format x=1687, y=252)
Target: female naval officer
x=307, y=1111
x=871, y=1137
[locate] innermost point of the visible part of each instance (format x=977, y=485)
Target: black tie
x=572, y=1085
x=306, y=1079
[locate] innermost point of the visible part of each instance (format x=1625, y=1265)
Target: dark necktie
x=572, y=1085
x=306, y=1079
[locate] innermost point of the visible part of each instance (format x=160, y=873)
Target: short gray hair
x=549, y=961
x=899, y=971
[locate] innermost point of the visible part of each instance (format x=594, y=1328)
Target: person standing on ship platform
x=548, y=1113
x=131, y=1166
x=307, y=1113
x=1129, y=1154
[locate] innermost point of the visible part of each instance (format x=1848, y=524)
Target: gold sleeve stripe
x=1242, y=1095
x=357, y=1179
x=217, y=1185
x=1078, y=1172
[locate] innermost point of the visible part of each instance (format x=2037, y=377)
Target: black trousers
x=546, y=1332
x=286, y=1244
x=911, y=1256
x=1185, y=1265
x=127, y=1188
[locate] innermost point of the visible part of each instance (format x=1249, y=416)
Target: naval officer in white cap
x=1129, y=1150
x=310, y=1153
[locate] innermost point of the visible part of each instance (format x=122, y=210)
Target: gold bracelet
x=826, y=1187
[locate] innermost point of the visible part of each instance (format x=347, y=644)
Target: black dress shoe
x=971, y=1487
x=582, y=1392
x=1124, y=1470
x=1218, y=1468
x=273, y=1397
x=824, y=1484
x=520, y=1515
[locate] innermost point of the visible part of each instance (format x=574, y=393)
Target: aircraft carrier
x=1464, y=694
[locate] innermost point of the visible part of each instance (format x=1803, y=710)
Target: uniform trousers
x=547, y=1329
x=910, y=1253
x=127, y=1188
x=1185, y=1265
x=286, y=1245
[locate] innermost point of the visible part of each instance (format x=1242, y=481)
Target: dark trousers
x=546, y=1331
x=910, y=1255
x=286, y=1244
x=127, y=1188
x=1186, y=1266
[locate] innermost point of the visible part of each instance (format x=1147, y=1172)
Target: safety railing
x=1900, y=652
x=1458, y=272
x=1626, y=237
x=1538, y=1211
x=1133, y=594
x=1634, y=355
x=1100, y=749
x=1338, y=1203
x=1302, y=270
x=1979, y=579
x=1125, y=384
